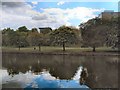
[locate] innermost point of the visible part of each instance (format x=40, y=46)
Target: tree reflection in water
x=101, y=69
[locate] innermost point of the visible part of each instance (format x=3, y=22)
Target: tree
x=9, y=37
x=93, y=33
x=78, y=35
x=62, y=36
x=99, y=32
x=112, y=32
x=22, y=39
x=14, y=38
x=34, y=30
x=46, y=35
x=23, y=29
x=35, y=39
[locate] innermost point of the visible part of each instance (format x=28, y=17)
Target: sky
x=50, y=14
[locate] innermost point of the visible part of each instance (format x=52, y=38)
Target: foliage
x=23, y=37
x=9, y=37
x=34, y=38
x=34, y=30
x=94, y=33
x=63, y=35
x=97, y=32
x=23, y=29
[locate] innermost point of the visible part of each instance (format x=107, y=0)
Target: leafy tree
x=112, y=32
x=7, y=30
x=8, y=37
x=78, y=35
x=93, y=33
x=46, y=39
x=98, y=32
x=34, y=30
x=46, y=35
x=35, y=39
x=62, y=36
x=22, y=39
x=14, y=38
x=23, y=29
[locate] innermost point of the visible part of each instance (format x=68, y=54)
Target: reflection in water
x=43, y=80
x=101, y=70
x=83, y=76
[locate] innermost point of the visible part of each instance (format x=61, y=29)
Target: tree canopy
x=62, y=36
x=23, y=29
x=97, y=32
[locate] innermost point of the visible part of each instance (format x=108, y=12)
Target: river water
x=58, y=71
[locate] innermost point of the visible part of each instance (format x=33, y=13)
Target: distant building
x=45, y=30
x=109, y=14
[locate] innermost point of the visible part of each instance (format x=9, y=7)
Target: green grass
x=55, y=49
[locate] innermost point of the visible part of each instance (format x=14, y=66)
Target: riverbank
x=58, y=51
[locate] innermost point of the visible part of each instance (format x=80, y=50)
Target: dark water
x=102, y=70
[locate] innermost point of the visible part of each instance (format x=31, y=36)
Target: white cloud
x=60, y=0
x=35, y=3
x=12, y=1
x=79, y=13
x=60, y=3
x=23, y=14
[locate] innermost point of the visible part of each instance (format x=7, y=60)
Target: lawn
x=55, y=49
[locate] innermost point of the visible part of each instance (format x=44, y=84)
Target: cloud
x=40, y=17
x=60, y=0
x=18, y=14
x=60, y=3
x=12, y=4
x=78, y=13
x=13, y=0
x=34, y=3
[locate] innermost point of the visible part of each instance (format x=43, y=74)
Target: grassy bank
x=58, y=50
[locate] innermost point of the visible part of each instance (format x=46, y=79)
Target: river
x=58, y=71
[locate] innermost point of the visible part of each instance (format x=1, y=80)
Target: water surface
x=58, y=71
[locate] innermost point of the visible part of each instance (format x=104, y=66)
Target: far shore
x=58, y=51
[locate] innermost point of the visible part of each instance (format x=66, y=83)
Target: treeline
x=22, y=37
x=93, y=33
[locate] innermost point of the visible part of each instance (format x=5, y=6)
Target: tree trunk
x=34, y=48
x=19, y=48
x=63, y=46
x=40, y=48
x=94, y=49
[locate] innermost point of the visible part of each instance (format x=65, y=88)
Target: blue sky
x=52, y=14
x=94, y=5
x=98, y=5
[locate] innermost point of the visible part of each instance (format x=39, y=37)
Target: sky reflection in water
x=43, y=80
